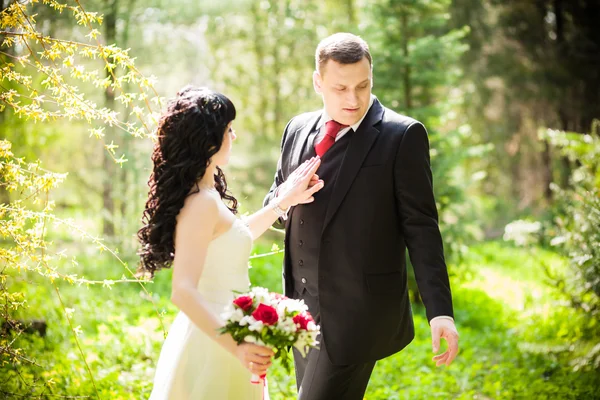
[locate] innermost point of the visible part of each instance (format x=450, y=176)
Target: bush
x=45, y=85
x=576, y=231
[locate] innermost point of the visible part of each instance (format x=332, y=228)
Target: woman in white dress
x=188, y=226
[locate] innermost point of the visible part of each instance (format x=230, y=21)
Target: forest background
x=509, y=92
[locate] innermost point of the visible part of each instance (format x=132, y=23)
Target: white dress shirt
x=342, y=132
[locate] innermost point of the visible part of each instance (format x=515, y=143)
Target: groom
x=345, y=252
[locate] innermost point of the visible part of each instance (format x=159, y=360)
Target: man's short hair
x=344, y=48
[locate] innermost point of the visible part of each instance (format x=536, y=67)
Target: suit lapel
x=301, y=139
x=361, y=142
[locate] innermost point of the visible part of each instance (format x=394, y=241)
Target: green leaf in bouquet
x=284, y=356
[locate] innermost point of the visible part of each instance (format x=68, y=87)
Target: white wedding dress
x=192, y=366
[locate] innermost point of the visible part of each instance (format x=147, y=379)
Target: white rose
x=236, y=315
x=256, y=326
x=293, y=306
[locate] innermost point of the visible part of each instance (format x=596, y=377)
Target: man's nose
x=352, y=98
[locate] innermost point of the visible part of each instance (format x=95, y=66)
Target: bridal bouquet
x=271, y=320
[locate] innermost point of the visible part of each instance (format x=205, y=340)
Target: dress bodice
x=226, y=265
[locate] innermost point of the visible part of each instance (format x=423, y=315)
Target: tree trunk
x=108, y=230
x=260, y=41
x=129, y=178
x=407, y=71
x=276, y=80
x=547, y=172
x=4, y=194
x=352, y=21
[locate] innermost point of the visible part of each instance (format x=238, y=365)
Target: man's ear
x=317, y=82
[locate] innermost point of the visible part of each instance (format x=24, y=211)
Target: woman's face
x=222, y=156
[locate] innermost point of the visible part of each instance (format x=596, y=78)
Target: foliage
x=576, y=230
x=119, y=332
x=530, y=64
x=28, y=217
x=513, y=336
x=56, y=98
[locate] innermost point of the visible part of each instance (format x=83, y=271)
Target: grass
x=515, y=335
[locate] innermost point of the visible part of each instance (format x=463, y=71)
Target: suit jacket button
x=303, y=280
x=300, y=243
x=301, y=222
x=300, y=263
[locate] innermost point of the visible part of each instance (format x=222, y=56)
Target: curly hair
x=189, y=133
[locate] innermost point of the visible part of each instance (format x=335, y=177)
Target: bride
x=190, y=224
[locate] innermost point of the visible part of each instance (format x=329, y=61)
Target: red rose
x=303, y=320
x=243, y=302
x=266, y=314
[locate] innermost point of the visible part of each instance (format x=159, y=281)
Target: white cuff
x=441, y=317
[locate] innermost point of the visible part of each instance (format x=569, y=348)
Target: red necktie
x=332, y=128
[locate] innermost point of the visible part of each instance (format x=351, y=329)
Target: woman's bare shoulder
x=201, y=206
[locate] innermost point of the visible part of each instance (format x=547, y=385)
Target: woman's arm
x=297, y=189
x=195, y=227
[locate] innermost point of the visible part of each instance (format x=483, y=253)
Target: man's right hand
x=444, y=329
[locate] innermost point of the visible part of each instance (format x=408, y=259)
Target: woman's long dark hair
x=189, y=133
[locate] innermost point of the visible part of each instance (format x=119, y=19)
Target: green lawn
x=514, y=331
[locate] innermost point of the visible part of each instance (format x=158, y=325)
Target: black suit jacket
x=381, y=205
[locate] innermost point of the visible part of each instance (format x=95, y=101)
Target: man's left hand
x=444, y=328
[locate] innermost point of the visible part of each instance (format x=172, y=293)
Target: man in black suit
x=345, y=252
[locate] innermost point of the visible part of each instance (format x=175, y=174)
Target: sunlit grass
x=513, y=334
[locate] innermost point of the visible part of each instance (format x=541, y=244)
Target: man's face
x=346, y=89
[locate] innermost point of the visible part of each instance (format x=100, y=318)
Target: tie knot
x=333, y=127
